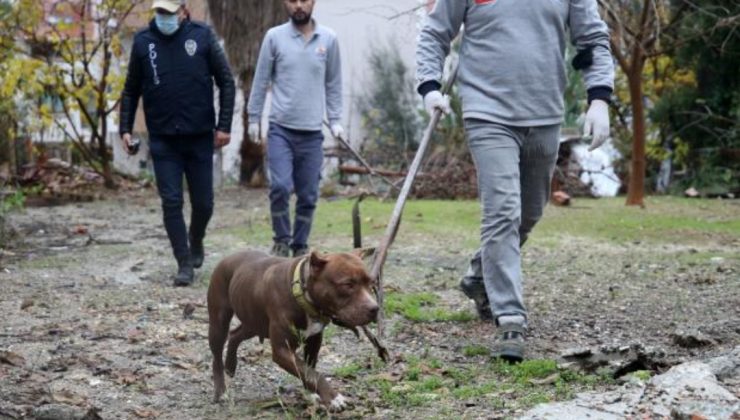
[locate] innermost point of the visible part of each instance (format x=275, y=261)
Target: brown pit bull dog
x=287, y=301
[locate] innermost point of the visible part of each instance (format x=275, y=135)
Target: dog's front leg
x=284, y=347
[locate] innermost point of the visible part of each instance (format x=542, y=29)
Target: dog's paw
x=339, y=403
x=315, y=399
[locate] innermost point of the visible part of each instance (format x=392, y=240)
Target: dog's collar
x=299, y=293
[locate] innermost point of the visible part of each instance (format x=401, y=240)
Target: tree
x=644, y=32
x=635, y=27
x=702, y=118
x=389, y=108
x=243, y=25
x=72, y=61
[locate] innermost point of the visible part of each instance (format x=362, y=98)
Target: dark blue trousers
x=191, y=156
x=294, y=160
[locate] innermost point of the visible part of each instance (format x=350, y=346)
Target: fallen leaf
x=134, y=335
x=65, y=396
x=13, y=359
x=187, y=311
x=546, y=381
x=387, y=376
x=183, y=365
x=126, y=377
x=146, y=414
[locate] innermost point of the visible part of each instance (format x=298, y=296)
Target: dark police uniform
x=174, y=74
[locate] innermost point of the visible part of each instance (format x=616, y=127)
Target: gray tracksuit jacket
x=304, y=75
x=512, y=68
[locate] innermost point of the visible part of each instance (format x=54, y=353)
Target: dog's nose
x=374, y=311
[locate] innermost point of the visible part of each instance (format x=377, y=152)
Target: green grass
x=665, y=219
x=455, y=224
x=466, y=392
x=426, y=381
x=528, y=369
x=423, y=307
x=348, y=371
x=703, y=258
x=643, y=375
x=494, y=381
x=476, y=350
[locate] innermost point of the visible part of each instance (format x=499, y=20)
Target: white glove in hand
x=597, y=123
x=253, y=131
x=435, y=100
x=337, y=131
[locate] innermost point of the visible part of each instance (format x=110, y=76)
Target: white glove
x=597, y=123
x=253, y=131
x=337, y=131
x=435, y=100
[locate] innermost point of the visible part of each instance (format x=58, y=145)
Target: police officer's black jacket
x=174, y=74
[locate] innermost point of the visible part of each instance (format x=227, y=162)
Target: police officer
x=300, y=61
x=173, y=65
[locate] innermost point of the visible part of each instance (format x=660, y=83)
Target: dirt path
x=90, y=319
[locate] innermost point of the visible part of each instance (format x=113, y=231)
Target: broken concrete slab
x=692, y=390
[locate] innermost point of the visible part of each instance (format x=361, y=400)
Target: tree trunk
x=243, y=24
x=636, y=188
x=252, y=168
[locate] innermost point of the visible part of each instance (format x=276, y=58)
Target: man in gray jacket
x=511, y=79
x=300, y=61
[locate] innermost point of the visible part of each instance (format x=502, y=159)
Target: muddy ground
x=90, y=318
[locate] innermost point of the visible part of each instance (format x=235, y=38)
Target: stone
x=64, y=412
x=691, y=339
x=726, y=366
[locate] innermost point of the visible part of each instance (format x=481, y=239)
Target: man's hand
x=253, y=131
x=126, y=137
x=337, y=131
x=221, y=139
x=435, y=100
x=597, y=123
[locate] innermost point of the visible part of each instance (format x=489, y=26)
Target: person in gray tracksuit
x=511, y=79
x=300, y=62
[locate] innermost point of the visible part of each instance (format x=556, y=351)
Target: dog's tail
x=218, y=289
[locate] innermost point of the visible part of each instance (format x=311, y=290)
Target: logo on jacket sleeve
x=191, y=47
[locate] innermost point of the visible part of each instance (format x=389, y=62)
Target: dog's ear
x=317, y=262
x=364, y=252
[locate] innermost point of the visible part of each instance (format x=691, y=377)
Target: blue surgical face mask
x=167, y=24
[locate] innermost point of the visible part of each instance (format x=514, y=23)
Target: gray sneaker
x=474, y=288
x=509, y=345
x=280, y=249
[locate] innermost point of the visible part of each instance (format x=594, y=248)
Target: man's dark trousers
x=173, y=157
x=294, y=160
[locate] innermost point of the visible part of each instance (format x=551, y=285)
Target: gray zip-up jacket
x=512, y=67
x=304, y=75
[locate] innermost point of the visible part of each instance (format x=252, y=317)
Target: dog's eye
x=349, y=284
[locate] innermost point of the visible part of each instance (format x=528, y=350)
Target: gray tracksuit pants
x=515, y=167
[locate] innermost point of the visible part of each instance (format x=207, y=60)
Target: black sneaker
x=509, y=345
x=197, y=253
x=280, y=249
x=300, y=251
x=185, y=274
x=474, y=289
